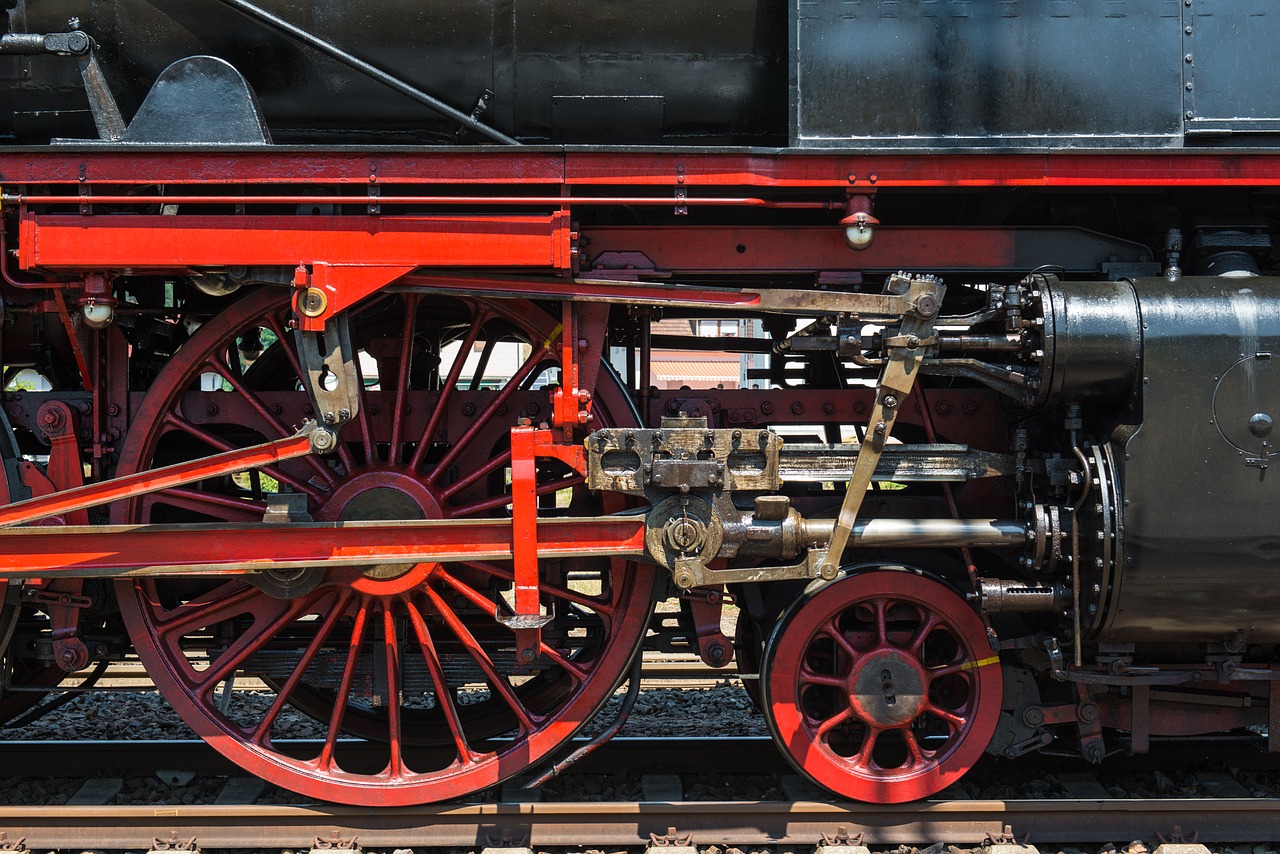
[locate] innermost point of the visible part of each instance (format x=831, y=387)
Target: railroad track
x=660, y=671
x=584, y=825
x=140, y=758
x=515, y=817
x=649, y=754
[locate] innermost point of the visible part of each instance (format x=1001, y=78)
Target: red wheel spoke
x=881, y=607
x=362, y=420
x=808, y=677
x=959, y=666
x=482, y=363
x=221, y=507
x=395, y=729
x=444, y=693
x=401, y=390
x=475, y=474
x=447, y=389
x=832, y=630
x=576, y=671
x=252, y=640
x=227, y=600
x=285, y=343
x=913, y=747
x=264, y=412
x=922, y=632
x=824, y=728
x=951, y=718
x=863, y=757
x=482, y=660
x=203, y=435
x=483, y=602
x=223, y=445
x=325, y=759
x=261, y=733
x=484, y=418
x=503, y=500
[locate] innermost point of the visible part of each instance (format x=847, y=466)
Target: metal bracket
x=328, y=362
x=706, y=608
x=102, y=105
x=336, y=843
x=691, y=572
x=527, y=444
x=173, y=843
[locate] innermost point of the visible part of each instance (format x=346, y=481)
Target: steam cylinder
x=1196, y=364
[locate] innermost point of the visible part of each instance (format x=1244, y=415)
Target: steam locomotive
x=331, y=338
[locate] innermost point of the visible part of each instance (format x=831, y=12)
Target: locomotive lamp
x=97, y=306
x=98, y=313
x=859, y=224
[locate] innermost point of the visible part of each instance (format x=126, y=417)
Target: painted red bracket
x=343, y=258
x=527, y=444
x=706, y=609
x=582, y=336
x=63, y=598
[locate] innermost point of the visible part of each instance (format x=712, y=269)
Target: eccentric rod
x=278, y=23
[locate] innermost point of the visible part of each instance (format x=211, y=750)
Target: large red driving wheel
x=401, y=656
x=881, y=686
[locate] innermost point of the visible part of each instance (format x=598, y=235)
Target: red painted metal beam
x=552, y=167
x=214, y=549
x=810, y=249
x=104, y=242
x=799, y=169
x=311, y=165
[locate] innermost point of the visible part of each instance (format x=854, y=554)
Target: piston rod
x=925, y=533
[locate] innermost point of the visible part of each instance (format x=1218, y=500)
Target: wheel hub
x=887, y=688
x=381, y=496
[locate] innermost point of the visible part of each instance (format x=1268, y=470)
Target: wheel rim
x=387, y=640
x=882, y=686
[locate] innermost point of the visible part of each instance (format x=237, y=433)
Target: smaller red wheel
x=881, y=686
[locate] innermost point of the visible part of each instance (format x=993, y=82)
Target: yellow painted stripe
x=973, y=665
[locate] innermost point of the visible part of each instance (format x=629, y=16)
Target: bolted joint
x=926, y=305
x=323, y=440
x=312, y=302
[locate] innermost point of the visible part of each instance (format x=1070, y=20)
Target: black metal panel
x=710, y=71
x=1202, y=516
x=200, y=99
x=1234, y=88
x=987, y=73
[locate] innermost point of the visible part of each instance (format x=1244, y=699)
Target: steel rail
x=143, y=758
x=682, y=671
x=631, y=824
x=640, y=754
